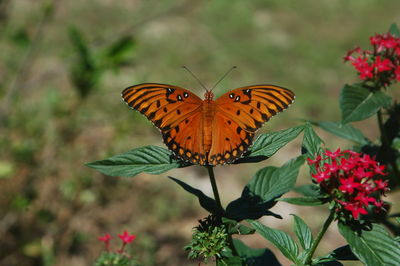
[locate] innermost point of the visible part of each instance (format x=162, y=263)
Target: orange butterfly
x=208, y=132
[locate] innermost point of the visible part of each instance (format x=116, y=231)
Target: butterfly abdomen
x=208, y=111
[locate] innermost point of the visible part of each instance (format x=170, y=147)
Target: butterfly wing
x=175, y=111
x=239, y=114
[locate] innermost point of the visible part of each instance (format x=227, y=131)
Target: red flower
x=349, y=55
x=375, y=40
x=360, y=63
x=126, y=238
x=333, y=155
x=314, y=161
x=348, y=185
x=389, y=41
x=349, y=179
x=382, y=65
x=366, y=72
x=356, y=209
x=106, y=238
x=364, y=200
x=381, y=185
x=321, y=176
x=397, y=73
x=331, y=167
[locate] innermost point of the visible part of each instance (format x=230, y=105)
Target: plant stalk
x=219, y=205
x=321, y=233
x=215, y=189
x=385, y=142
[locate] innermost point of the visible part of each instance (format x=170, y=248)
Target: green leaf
x=271, y=182
x=255, y=257
x=358, y=103
x=308, y=190
x=344, y=131
x=375, y=247
x=311, y=141
x=268, y=144
x=233, y=227
x=303, y=201
x=206, y=202
x=280, y=239
x=118, y=53
x=259, y=194
x=394, y=30
x=342, y=253
x=302, y=232
x=84, y=71
x=230, y=261
x=148, y=159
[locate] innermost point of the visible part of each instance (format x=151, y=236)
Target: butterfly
x=208, y=132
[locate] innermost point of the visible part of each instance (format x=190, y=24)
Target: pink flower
x=126, y=237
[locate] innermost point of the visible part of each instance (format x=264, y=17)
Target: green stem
x=384, y=138
x=321, y=233
x=385, y=143
x=219, y=205
x=215, y=189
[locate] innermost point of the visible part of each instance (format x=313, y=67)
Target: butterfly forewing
x=251, y=106
x=165, y=105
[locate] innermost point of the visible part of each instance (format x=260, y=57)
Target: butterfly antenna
x=227, y=72
x=193, y=75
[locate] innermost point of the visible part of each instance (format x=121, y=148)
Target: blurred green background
x=63, y=65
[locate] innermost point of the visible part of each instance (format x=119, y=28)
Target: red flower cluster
x=382, y=63
x=351, y=179
x=125, y=237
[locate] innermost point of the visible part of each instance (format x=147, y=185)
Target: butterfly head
x=208, y=96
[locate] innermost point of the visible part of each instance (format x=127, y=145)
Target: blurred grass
x=52, y=208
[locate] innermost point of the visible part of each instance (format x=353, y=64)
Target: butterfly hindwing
x=165, y=105
x=185, y=139
x=230, y=140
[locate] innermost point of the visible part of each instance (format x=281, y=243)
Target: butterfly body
x=208, y=132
